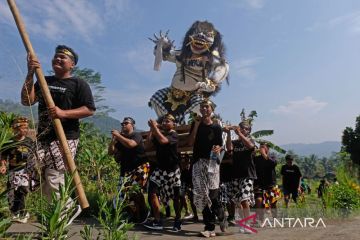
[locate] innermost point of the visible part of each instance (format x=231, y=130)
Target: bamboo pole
x=50, y=103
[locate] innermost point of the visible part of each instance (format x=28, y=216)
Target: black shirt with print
x=291, y=176
x=206, y=137
x=69, y=93
x=243, y=163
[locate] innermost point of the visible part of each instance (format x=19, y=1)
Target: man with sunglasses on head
x=73, y=100
x=128, y=149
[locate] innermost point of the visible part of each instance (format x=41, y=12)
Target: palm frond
x=276, y=147
x=252, y=114
x=262, y=133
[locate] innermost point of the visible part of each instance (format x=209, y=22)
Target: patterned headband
x=66, y=52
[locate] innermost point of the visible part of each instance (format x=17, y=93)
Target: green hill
x=104, y=123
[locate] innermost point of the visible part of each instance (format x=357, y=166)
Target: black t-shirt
x=291, y=176
x=206, y=137
x=130, y=158
x=226, y=172
x=243, y=163
x=166, y=154
x=69, y=93
x=265, y=172
x=18, y=155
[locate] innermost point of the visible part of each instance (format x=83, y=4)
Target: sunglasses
x=125, y=123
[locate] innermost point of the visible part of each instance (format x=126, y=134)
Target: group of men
x=249, y=180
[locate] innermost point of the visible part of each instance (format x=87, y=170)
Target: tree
x=351, y=142
x=94, y=80
x=308, y=165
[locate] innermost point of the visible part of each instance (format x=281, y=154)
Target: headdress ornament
x=207, y=101
x=20, y=121
x=247, y=121
x=169, y=117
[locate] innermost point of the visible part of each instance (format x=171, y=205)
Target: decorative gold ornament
x=177, y=97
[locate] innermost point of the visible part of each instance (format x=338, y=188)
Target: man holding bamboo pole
x=73, y=100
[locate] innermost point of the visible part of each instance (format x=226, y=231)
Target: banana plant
x=257, y=136
x=262, y=133
x=6, y=134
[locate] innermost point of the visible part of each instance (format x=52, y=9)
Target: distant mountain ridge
x=104, y=123
x=323, y=149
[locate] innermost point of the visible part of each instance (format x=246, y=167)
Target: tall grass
x=113, y=222
x=55, y=215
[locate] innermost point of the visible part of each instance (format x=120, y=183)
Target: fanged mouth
x=198, y=44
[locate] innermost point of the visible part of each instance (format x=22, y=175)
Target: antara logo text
x=288, y=222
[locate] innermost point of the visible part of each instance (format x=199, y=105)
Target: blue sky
x=294, y=62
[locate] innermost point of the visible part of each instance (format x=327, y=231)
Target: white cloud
x=248, y=4
x=244, y=68
x=255, y=3
x=306, y=106
x=57, y=19
x=350, y=22
x=114, y=9
x=142, y=59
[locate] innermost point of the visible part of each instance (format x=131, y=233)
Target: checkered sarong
x=271, y=195
x=159, y=98
x=166, y=181
x=240, y=190
x=138, y=176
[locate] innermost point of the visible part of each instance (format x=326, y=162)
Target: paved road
x=335, y=230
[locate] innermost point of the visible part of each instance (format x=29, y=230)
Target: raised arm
x=157, y=133
x=149, y=144
x=194, y=129
x=28, y=96
x=229, y=145
x=264, y=152
x=219, y=73
x=246, y=141
x=128, y=143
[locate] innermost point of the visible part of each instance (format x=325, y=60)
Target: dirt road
x=348, y=229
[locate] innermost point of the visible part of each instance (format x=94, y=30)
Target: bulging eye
x=210, y=34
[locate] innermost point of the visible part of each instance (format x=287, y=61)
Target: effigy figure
x=200, y=70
